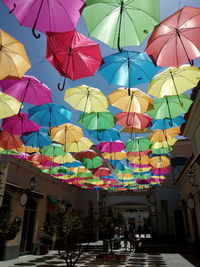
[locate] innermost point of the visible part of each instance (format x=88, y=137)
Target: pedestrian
x=126, y=232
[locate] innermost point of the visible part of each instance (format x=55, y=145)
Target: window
x=177, y=165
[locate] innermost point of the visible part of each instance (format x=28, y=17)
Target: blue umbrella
x=50, y=114
x=117, y=164
x=109, y=135
x=128, y=68
x=37, y=139
x=73, y=164
x=163, y=124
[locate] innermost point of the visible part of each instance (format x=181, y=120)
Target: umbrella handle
x=37, y=36
x=11, y=11
x=63, y=85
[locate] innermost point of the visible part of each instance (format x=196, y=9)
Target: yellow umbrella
x=136, y=131
x=14, y=61
x=86, y=98
x=138, y=101
x=163, y=144
x=27, y=149
x=161, y=177
x=174, y=81
x=83, y=144
x=164, y=135
x=142, y=169
x=160, y=162
x=9, y=106
x=66, y=133
x=65, y=158
x=139, y=160
x=77, y=170
x=115, y=155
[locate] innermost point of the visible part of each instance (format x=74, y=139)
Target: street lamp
x=192, y=178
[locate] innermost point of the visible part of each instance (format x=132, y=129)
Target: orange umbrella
x=9, y=141
x=164, y=135
x=160, y=162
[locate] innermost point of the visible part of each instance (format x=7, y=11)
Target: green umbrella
x=138, y=144
x=92, y=163
x=87, y=174
x=170, y=107
x=52, y=151
x=97, y=121
x=127, y=170
x=50, y=171
x=120, y=23
x=162, y=150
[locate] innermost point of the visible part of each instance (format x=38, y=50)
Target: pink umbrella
x=140, y=165
x=19, y=125
x=51, y=15
x=49, y=164
x=21, y=155
x=101, y=171
x=27, y=90
x=133, y=120
x=111, y=147
x=160, y=171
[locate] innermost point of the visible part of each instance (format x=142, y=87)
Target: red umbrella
x=37, y=157
x=73, y=55
x=102, y=171
x=175, y=40
x=133, y=120
x=88, y=154
x=9, y=141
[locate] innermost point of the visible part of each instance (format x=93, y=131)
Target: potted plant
x=45, y=240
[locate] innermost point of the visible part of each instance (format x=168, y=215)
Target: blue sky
x=44, y=71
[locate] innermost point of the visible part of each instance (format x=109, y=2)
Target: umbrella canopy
x=139, y=160
x=162, y=150
x=160, y=171
x=50, y=114
x=86, y=98
x=73, y=55
x=111, y=147
x=9, y=141
x=160, y=161
x=138, y=144
x=109, y=135
x=83, y=144
x=133, y=120
x=121, y=23
x=139, y=153
x=137, y=101
x=54, y=16
x=128, y=68
x=163, y=124
x=37, y=157
x=28, y=149
x=92, y=163
x=102, y=171
x=9, y=106
x=67, y=158
x=27, y=89
x=164, y=144
x=175, y=40
x=164, y=135
x=19, y=124
x=115, y=155
x=14, y=61
x=97, y=121
x=37, y=139
x=89, y=154
x=174, y=81
x=170, y=107
x=52, y=151
x=66, y=133
x=135, y=130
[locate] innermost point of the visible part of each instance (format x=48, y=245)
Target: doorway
x=28, y=226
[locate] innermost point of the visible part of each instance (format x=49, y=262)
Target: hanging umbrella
x=174, y=81
x=50, y=114
x=139, y=153
x=27, y=90
x=133, y=120
x=86, y=98
x=117, y=164
x=160, y=171
x=28, y=149
x=138, y=144
x=21, y=155
x=52, y=151
x=92, y=163
x=72, y=164
x=37, y=139
x=160, y=161
x=137, y=101
x=170, y=107
x=83, y=144
x=121, y=23
x=14, y=61
x=109, y=135
x=89, y=154
x=164, y=135
x=37, y=157
x=135, y=131
x=102, y=171
x=128, y=68
x=164, y=144
x=67, y=158
x=97, y=121
x=66, y=133
x=9, y=141
x=111, y=147
x=115, y=155
x=162, y=150
x=49, y=164
x=175, y=40
x=54, y=16
x=164, y=124
x=9, y=106
x=73, y=55
x=19, y=124
x=139, y=160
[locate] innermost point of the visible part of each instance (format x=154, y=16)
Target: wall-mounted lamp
x=33, y=183
x=192, y=178
x=24, y=194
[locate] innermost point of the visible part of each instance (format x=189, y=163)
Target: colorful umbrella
x=73, y=55
x=52, y=151
x=97, y=121
x=133, y=120
x=160, y=171
x=14, y=61
x=162, y=150
x=135, y=131
x=83, y=144
x=50, y=114
x=109, y=135
x=66, y=133
x=9, y=106
x=138, y=144
x=164, y=124
x=92, y=163
x=37, y=139
x=9, y=141
x=164, y=135
x=121, y=23
x=139, y=153
x=19, y=124
x=102, y=171
x=137, y=101
x=164, y=144
x=139, y=160
x=54, y=16
x=174, y=81
x=160, y=161
x=111, y=147
x=115, y=155
x=37, y=157
x=89, y=154
x=86, y=98
x=67, y=158
x=175, y=40
x=28, y=149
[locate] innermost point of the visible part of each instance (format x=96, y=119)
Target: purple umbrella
x=19, y=124
x=27, y=89
x=43, y=15
x=111, y=147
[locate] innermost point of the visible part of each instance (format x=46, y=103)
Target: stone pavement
x=89, y=259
